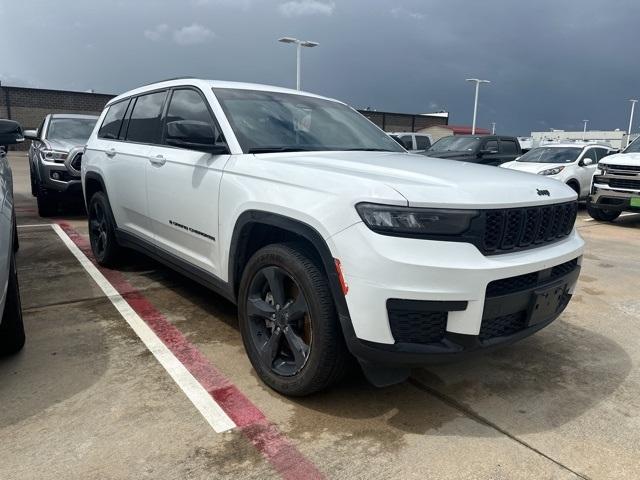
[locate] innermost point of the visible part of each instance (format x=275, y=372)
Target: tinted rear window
x=113, y=120
x=144, y=124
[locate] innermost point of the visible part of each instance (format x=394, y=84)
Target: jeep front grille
x=520, y=228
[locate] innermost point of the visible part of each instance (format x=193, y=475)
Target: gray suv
x=52, y=175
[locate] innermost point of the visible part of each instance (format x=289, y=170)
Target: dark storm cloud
x=551, y=63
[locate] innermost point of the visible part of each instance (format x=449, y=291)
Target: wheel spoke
x=269, y=349
x=259, y=308
x=299, y=349
x=275, y=279
x=297, y=308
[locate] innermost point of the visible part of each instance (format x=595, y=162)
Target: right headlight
x=551, y=171
x=415, y=222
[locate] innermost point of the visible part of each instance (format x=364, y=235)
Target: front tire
x=289, y=323
x=47, y=202
x=102, y=231
x=12, y=336
x=602, y=215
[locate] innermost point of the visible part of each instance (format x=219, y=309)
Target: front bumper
x=448, y=276
x=69, y=180
x=606, y=198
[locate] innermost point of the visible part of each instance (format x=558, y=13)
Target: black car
x=484, y=149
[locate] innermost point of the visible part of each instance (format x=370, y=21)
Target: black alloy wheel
x=104, y=244
x=279, y=321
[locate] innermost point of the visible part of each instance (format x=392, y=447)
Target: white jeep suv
x=570, y=163
x=329, y=236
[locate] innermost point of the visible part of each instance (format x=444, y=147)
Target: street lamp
x=633, y=105
x=493, y=128
x=299, y=44
x=584, y=130
x=475, y=103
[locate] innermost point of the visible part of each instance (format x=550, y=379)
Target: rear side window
x=407, y=141
x=508, y=146
x=422, y=142
x=112, y=121
x=145, y=120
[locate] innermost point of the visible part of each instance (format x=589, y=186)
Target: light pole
x=633, y=106
x=475, y=103
x=493, y=128
x=299, y=44
x=584, y=131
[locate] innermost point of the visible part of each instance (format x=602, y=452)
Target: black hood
x=450, y=155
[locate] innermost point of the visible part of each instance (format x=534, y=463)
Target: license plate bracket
x=546, y=302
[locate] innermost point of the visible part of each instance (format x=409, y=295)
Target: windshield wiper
x=279, y=149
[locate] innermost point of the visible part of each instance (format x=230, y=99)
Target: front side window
x=491, y=145
x=188, y=112
x=456, y=144
x=110, y=127
x=274, y=122
x=145, y=121
x=73, y=130
x=551, y=155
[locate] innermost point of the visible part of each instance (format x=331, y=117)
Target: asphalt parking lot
x=87, y=399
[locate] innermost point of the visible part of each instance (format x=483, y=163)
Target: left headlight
x=551, y=171
x=53, y=155
x=407, y=221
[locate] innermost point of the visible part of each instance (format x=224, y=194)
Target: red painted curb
x=285, y=458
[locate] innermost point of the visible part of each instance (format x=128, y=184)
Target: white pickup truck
x=615, y=187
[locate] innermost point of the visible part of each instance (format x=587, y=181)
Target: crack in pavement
x=464, y=409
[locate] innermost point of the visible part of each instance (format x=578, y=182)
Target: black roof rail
x=188, y=77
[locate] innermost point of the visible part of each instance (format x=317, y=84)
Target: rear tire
x=47, y=202
x=289, y=323
x=12, y=336
x=102, y=231
x=602, y=215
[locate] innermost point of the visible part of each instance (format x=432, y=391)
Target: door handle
x=158, y=160
x=111, y=152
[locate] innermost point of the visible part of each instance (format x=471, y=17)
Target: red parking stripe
x=264, y=435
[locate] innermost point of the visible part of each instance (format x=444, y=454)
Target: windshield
x=74, y=129
x=634, y=147
x=551, y=155
x=455, y=144
x=276, y=122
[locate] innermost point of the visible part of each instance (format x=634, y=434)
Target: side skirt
x=176, y=263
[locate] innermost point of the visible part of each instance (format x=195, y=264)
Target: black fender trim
x=208, y=280
x=304, y=230
x=93, y=176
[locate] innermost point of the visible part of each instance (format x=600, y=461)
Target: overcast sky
x=551, y=63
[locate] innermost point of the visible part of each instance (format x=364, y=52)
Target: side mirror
x=31, y=134
x=586, y=162
x=194, y=135
x=10, y=132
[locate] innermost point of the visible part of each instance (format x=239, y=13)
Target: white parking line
x=33, y=225
x=201, y=399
